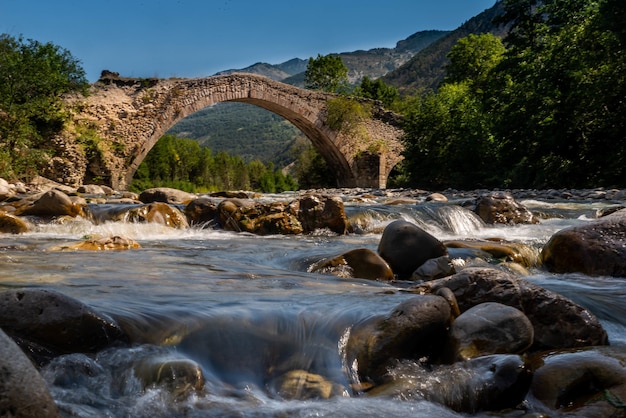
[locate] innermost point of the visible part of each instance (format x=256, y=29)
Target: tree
x=473, y=58
x=326, y=73
x=33, y=77
x=377, y=90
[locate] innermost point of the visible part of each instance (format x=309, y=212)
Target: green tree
x=473, y=59
x=377, y=90
x=33, y=78
x=326, y=73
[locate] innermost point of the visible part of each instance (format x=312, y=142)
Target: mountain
x=426, y=69
x=373, y=63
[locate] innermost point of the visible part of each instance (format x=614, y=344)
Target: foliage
x=326, y=73
x=546, y=111
x=241, y=129
x=377, y=90
x=344, y=113
x=182, y=163
x=310, y=168
x=33, y=77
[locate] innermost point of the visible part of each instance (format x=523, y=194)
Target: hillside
x=426, y=69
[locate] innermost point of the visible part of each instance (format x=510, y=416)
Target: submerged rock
x=46, y=324
x=179, y=376
x=405, y=246
x=302, y=385
x=160, y=213
x=597, y=248
x=114, y=243
x=557, y=321
x=415, y=328
x=583, y=383
x=23, y=392
x=360, y=263
x=489, y=383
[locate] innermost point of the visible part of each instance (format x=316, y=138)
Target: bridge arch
x=132, y=114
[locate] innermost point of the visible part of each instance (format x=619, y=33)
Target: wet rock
x=160, y=213
x=231, y=194
x=201, y=211
x=500, y=250
x=557, y=321
x=502, y=208
x=23, y=392
x=46, y=323
x=361, y=263
x=50, y=204
x=114, y=243
x=597, y=248
x=582, y=383
x=91, y=189
x=436, y=197
x=435, y=268
x=179, y=376
x=166, y=195
x=415, y=328
x=405, y=246
x=319, y=212
x=258, y=218
x=11, y=224
x=302, y=385
x=489, y=328
x=489, y=383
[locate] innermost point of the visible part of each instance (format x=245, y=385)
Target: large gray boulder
x=597, y=248
x=557, y=321
x=406, y=246
x=23, y=392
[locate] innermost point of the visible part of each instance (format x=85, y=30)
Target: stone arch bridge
x=130, y=115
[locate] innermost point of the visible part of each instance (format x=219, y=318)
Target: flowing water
x=245, y=307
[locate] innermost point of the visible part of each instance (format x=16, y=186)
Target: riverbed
x=255, y=292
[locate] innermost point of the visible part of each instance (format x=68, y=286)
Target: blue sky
x=195, y=38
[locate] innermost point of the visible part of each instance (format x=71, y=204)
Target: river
x=253, y=294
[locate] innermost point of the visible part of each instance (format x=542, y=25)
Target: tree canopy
x=326, y=73
x=33, y=77
x=542, y=109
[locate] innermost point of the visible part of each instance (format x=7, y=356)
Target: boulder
x=91, y=189
x=500, y=250
x=416, y=328
x=201, y=211
x=245, y=215
x=319, y=212
x=587, y=382
x=166, y=195
x=158, y=212
x=502, y=208
x=50, y=204
x=23, y=392
x=6, y=191
x=405, y=246
x=489, y=328
x=47, y=323
x=360, y=263
x=436, y=197
x=557, y=321
x=435, y=268
x=11, y=224
x=595, y=249
x=488, y=383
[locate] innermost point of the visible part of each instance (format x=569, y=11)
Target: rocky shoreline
x=481, y=322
